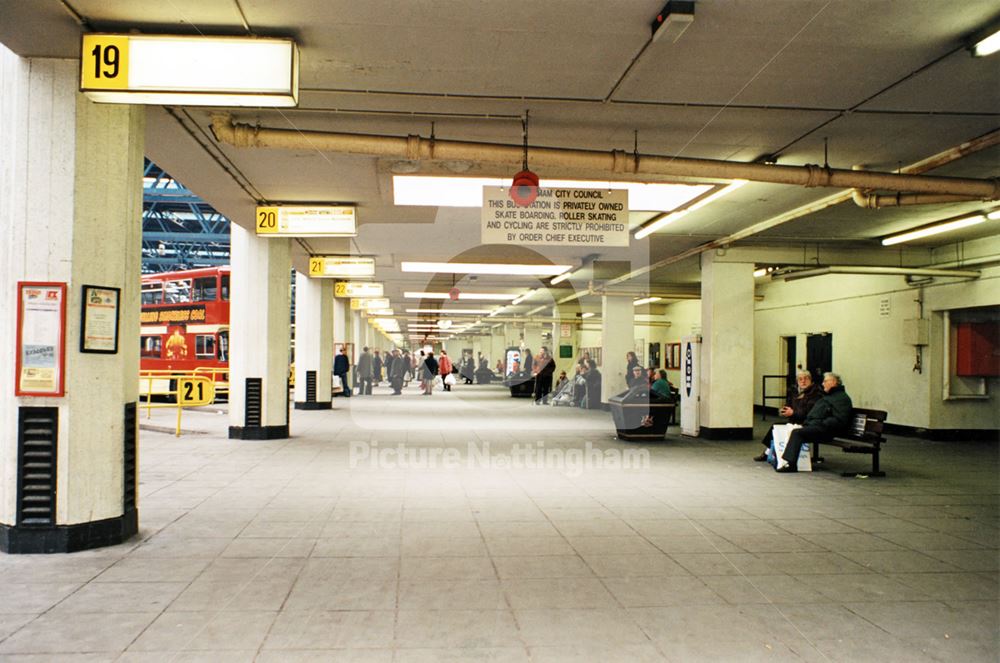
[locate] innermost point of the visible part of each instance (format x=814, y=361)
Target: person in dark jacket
x=545, y=366
x=796, y=408
x=830, y=416
x=397, y=372
x=631, y=377
x=593, y=379
x=377, y=367
x=429, y=369
x=364, y=372
x=341, y=365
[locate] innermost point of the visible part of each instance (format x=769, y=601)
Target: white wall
x=868, y=345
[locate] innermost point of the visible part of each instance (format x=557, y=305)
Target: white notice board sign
x=558, y=217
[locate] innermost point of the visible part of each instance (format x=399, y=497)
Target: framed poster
x=41, y=339
x=99, y=319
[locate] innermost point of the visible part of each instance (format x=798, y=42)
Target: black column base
x=20, y=540
x=258, y=432
x=726, y=433
x=313, y=405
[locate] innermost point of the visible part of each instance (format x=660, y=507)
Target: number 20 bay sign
x=558, y=217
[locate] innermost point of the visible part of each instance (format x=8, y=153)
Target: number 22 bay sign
x=557, y=217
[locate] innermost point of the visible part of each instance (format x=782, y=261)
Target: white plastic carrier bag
x=780, y=434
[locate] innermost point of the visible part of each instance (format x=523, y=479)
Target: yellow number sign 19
x=105, y=62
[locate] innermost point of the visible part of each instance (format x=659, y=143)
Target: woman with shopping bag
x=444, y=367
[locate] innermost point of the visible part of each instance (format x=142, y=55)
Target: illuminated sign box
x=358, y=289
x=189, y=71
x=341, y=266
x=307, y=221
x=370, y=304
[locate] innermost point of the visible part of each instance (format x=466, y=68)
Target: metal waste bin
x=521, y=385
x=640, y=414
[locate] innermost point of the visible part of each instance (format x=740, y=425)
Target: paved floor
x=379, y=534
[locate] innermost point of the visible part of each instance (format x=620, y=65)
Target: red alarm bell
x=524, y=189
x=453, y=294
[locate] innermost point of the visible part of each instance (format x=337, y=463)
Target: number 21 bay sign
x=557, y=217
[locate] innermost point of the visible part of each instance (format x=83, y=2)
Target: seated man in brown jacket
x=796, y=408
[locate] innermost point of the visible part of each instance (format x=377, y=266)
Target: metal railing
x=764, y=397
x=164, y=383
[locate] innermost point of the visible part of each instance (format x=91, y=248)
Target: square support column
x=726, y=384
x=70, y=213
x=313, y=342
x=617, y=338
x=259, y=313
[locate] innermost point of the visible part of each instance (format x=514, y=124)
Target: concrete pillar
x=70, y=213
x=533, y=336
x=726, y=384
x=313, y=342
x=568, y=318
x=617, y=338
x=341, y=308
x=259, y=321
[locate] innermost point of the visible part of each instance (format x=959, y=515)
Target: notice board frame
x=85, y=319
x=60, y=388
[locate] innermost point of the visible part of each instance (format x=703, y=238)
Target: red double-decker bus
x=185, y=320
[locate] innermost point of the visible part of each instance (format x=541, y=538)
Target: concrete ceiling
x=884, y=83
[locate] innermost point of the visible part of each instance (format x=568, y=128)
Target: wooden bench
x=863, y=437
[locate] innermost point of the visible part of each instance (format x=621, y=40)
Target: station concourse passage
x=730, y=192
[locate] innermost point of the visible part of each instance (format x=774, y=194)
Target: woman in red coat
x=444, y=365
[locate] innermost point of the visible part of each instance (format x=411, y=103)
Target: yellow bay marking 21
x=195, y=391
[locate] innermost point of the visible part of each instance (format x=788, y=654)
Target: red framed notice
x=41, y=339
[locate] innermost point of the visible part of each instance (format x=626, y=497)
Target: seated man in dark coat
x=830, y=416
x=796, y=408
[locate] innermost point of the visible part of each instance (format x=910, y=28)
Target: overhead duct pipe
x=617, y=161
x=934, y=161
x=871, y=200
x=878, y=271
x=878, y=201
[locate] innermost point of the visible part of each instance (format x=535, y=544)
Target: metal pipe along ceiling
x=415, y=147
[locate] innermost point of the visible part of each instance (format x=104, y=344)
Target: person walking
x=429, y=370
x=341, y=365
x=377, y=368
x=364, y=372
x=444, y=364
x=397, y=372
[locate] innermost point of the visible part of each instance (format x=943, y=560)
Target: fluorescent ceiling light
x=588, y=314
x=645, y=300
x=462, y=295
x=189, y=70
x=934, y=230
x=562, y=277
x=525, y=296
x=987, y=45
x=484, y=268
x=994, y=215
x=670, y=218
x=468, y=191
x=450, y=311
